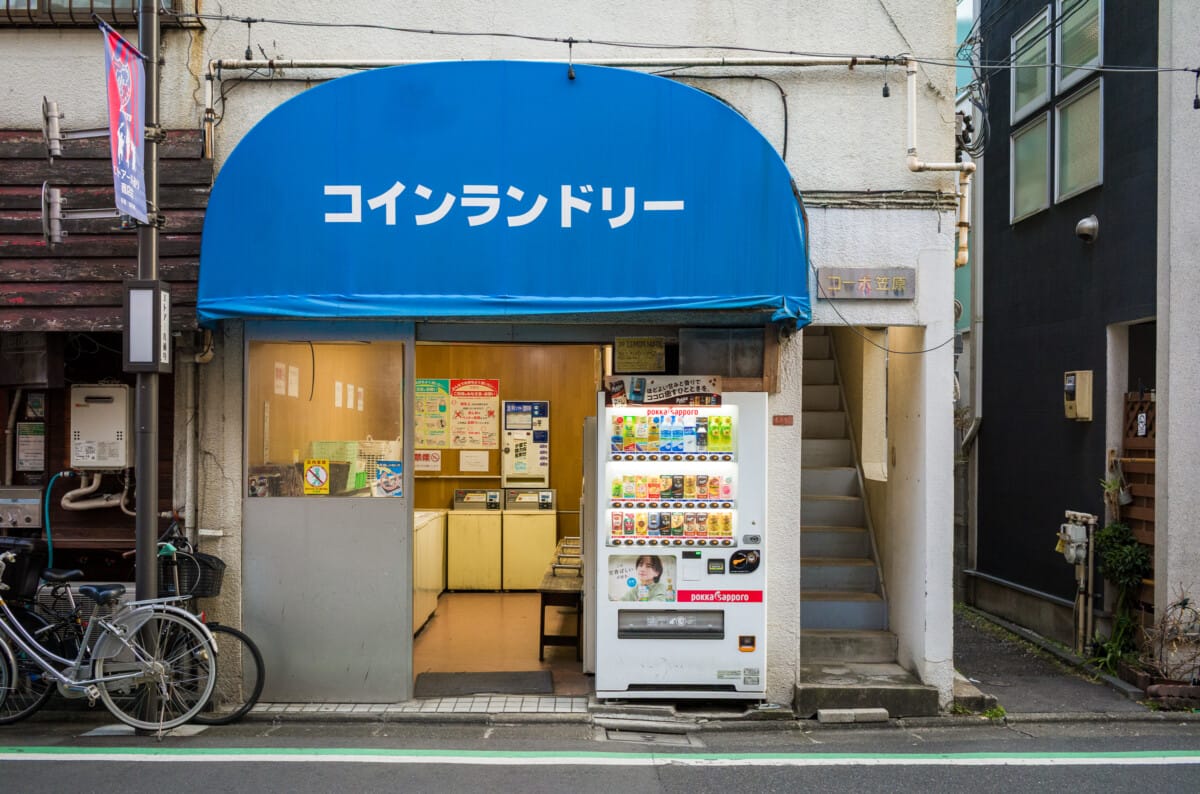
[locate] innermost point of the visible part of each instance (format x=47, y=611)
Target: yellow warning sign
x=316, y=476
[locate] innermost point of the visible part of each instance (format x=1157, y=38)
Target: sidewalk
x=1026, y=675
x=998, y=666
x=1031, y=679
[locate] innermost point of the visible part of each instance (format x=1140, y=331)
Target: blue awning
x=494, y=188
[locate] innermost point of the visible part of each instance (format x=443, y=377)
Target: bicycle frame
x=126, y=621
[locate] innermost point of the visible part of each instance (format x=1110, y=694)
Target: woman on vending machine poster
x=645, y=584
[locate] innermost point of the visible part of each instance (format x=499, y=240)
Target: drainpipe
x=10, y=429
x=191, y=510
x=915, y=164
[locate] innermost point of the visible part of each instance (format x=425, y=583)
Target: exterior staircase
x=847, y=653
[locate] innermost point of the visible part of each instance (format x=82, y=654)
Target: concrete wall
x=783, y=520
x=1177, y=509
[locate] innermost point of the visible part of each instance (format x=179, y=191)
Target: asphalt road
x=1161, y=755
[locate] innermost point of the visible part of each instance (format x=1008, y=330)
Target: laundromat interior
x=475, y=601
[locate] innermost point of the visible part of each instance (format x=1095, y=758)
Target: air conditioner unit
x=101, y=422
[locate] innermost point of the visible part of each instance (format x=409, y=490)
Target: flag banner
x=125, y=77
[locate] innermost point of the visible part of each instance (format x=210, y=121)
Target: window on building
x=1029, y=155
x=1079, y=144
x=1068, y=109
x=1079, y=40
x=1030, y=54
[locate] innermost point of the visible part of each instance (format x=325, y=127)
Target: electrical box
x=20, y=508
x=101, y=423
x=1077, y=395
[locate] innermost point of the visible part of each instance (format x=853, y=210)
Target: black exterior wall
x=1048, y=297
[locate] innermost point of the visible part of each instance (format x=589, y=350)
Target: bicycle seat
x=103, y=593
x=61, y=574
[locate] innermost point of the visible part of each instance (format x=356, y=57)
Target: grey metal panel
x=327, y=587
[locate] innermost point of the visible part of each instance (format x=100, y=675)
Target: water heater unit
x=101, y=422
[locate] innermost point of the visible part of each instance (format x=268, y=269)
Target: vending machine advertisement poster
x=663, y=390
x=643, y=577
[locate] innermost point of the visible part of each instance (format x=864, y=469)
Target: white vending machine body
x=680, y=546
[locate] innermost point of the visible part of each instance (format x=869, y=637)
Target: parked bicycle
x=240, y=669
x=57, y=618
x=150, y=662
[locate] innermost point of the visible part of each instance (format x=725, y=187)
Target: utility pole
x=146, y=412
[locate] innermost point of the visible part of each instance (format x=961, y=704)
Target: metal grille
x=78, y=13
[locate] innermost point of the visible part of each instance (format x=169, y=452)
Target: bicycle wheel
x=240, y=676
x=29, y=687
x=166, y=691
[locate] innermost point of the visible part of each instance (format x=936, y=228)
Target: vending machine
x=680, y=544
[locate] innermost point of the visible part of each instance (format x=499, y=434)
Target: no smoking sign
x=316, y=476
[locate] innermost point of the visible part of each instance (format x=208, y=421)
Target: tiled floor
x=484, y=632
x=481, y=632
x=479, y=704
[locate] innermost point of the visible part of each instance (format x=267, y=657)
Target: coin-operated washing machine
x=473, y=535
x=530, y=536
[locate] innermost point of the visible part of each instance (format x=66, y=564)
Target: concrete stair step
x=847, y=645
x=842, y=609
x=820, y=371
x=821, y=397
x=845, y=511
x=833, y=541
x=839, y=573
x=836, y=685
x=823, y=424
x=816, y=346
x=829, y=481
x=826, y=452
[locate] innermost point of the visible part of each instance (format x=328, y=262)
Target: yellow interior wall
x=567, y=376
x=312, y=415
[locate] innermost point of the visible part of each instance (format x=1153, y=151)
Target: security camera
x=1088, y=229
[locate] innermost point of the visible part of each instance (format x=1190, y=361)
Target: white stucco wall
x=783, y=521
x=842, y=135
x=1177, y=500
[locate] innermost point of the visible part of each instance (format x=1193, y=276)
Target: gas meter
x=1073, y=536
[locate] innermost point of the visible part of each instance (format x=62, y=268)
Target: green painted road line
x=530, y=758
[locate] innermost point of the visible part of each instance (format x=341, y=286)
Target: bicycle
x=241, y=673
x=151, y=663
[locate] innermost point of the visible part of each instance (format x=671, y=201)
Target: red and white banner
x=125, y=77
x=719, y=596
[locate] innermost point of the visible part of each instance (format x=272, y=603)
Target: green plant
x=1124, y=562
x=996, y=713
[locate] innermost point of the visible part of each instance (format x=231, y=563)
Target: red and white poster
x=475, y=413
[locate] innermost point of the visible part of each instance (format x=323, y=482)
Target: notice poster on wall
x=432, y=413
x=31, y=446
x=389, y=478
x=475, y=413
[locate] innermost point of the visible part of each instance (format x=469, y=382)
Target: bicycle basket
x=200, y=575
